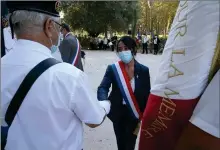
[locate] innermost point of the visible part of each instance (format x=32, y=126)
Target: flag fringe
x=216, y=60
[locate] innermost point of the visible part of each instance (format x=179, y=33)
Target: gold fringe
x=215, y=66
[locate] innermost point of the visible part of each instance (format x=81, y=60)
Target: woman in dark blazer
x=124, y=122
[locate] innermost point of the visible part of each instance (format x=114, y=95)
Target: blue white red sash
x=126, y=89
x=76, y=55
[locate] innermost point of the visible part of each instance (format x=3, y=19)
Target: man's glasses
x=60, y=26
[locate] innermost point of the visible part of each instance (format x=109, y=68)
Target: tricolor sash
x=76, y=55
x=126, y=89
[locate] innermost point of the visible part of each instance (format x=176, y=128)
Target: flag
x=182, y=75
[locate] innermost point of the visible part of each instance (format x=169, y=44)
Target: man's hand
x=106, y=105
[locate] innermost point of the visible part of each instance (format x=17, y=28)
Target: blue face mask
x=54, y=48
x=125, y=56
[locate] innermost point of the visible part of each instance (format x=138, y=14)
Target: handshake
x=106, y=105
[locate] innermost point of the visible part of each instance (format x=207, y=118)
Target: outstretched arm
x=103, y=88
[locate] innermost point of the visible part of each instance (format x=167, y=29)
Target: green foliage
x=158, y=17
x=97, y=17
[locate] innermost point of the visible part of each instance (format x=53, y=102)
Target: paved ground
x=102, y=138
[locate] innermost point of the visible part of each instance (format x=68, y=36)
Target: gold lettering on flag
x=182, y=7
x=176, y=72
x=147, y=133
x=181, y=33
x=170, y=92
x=182, y=20
x=177, y=52
x=167, y=107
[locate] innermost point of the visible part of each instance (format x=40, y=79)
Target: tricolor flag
x=183, y=74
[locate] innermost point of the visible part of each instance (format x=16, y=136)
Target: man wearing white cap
x=44, y=102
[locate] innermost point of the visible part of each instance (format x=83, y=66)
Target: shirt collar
x=32, y=46
x=67, y=34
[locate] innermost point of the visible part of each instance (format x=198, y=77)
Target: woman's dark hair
x=129, y=43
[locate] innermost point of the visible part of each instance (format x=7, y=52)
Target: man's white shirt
x=155, y=41
x=52, y=113
x=145, y=39
x=206, y=114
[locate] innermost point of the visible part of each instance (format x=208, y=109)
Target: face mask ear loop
x=51, y=42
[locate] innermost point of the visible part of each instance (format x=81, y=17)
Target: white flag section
x=206, y=114
x=189, y=50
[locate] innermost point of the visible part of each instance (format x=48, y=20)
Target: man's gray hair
x=29, y=22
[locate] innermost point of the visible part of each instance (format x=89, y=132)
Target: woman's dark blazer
x=142, y=90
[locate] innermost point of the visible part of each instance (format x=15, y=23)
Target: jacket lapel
x=136, y=76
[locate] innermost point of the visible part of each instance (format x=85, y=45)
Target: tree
x=97, y=17
x=159, y=16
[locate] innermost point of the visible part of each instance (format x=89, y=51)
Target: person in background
x=105, y=43
x=144, y=44
x=99, y=43
x=53, y=111
x=70, y=48
x=114, y=42
x=156, y=44
x=128, y=78
x=83, y=56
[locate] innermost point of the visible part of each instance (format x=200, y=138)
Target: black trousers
x=144, y=48
x=105, y=46
x=155, y=49
x=124, y=129
x=113, y=47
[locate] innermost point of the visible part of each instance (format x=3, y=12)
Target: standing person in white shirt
x=156, y=44
x=105, y=43
x=144, y=44
x=52, y=114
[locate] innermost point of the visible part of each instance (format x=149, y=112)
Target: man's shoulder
x=67, y=70
x=70, y=38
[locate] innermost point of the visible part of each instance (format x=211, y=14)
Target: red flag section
x=164, y=119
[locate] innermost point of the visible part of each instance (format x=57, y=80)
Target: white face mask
x=54, y=48
x=125, y=56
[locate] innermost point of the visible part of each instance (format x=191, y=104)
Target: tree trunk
x=168, y=24
x=164, y=30
x=110, y=31
x=134, y=23
x=106, y=34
